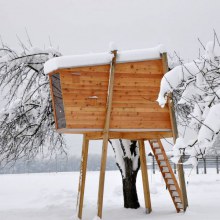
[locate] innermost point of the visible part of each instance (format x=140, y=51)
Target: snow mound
x=118, y=191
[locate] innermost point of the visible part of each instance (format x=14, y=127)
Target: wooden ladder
x=167, y=173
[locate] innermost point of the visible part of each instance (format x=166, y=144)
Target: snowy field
x=53, y=197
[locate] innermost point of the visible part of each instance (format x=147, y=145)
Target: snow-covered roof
x=93, y=59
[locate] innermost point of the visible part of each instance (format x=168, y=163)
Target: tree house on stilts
x=113, y=96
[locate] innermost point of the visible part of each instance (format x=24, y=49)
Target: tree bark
x=128, y=171
x=129, y=186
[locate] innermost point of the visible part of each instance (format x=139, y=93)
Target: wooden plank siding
x=134, y=106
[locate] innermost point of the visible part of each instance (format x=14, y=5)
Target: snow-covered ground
x=52, y=196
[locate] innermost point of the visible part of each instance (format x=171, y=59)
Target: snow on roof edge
x=102, y=58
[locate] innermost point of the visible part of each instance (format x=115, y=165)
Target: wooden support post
x=82, y=178
x=179, y=165
x=106, y=135
x=175, y=136
x=145, y=176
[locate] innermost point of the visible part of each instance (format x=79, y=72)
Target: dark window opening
x=58, y=101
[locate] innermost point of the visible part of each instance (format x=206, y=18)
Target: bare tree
x=26, y=121
x=196, y=91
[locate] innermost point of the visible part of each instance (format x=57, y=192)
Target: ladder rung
x=163, y=164
x=180, y=205
x=177, y=199
x=160, y=157
x=172, y=187
x=158, y=151
x=170, y=181
x=167, y=175
x=175, y=193
x=165, y=170
x=156, y=145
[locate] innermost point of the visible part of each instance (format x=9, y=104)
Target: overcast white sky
x=82, y=26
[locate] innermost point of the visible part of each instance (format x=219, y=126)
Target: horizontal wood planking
x=84, y=126
x=136, y=84
x=139, y=75
x=136, y=105
x=85, y=104
x=140, y=124
x=81, y=95
x=127, y=109
x=101, y=77
x=84, y=83
x=148, y=117
x=142, y=92
x=128, y=79
x=122, y=124
x=135, y=91
x=126, y=90
x=135, y=87
x=93, y=81
x=145, y=67
x=148, y=100
x=142, y=98
x=83, y=114
x=117, y=119
x=121, y=83
x=89, y=69
x=142, y=114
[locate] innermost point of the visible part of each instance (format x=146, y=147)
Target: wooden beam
x=165, y=63
x=106, y=135
x=131, y=135
x=145, y=176
x=82, y=178
x=180, y=169
x=175, y=136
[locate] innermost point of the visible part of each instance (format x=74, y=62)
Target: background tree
x=26, y=121
x=196, y=91
x=128, y=161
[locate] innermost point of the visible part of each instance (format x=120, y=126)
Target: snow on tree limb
x=196, y=86
x=26, y=122
x=207, y=134
x=176, y=76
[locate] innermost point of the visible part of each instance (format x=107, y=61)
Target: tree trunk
x=128, y=164
x=129, y=186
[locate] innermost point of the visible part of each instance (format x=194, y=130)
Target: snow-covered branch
x=26, y=121
x=196, y=88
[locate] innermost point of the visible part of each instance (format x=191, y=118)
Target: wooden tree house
x=111, y=96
